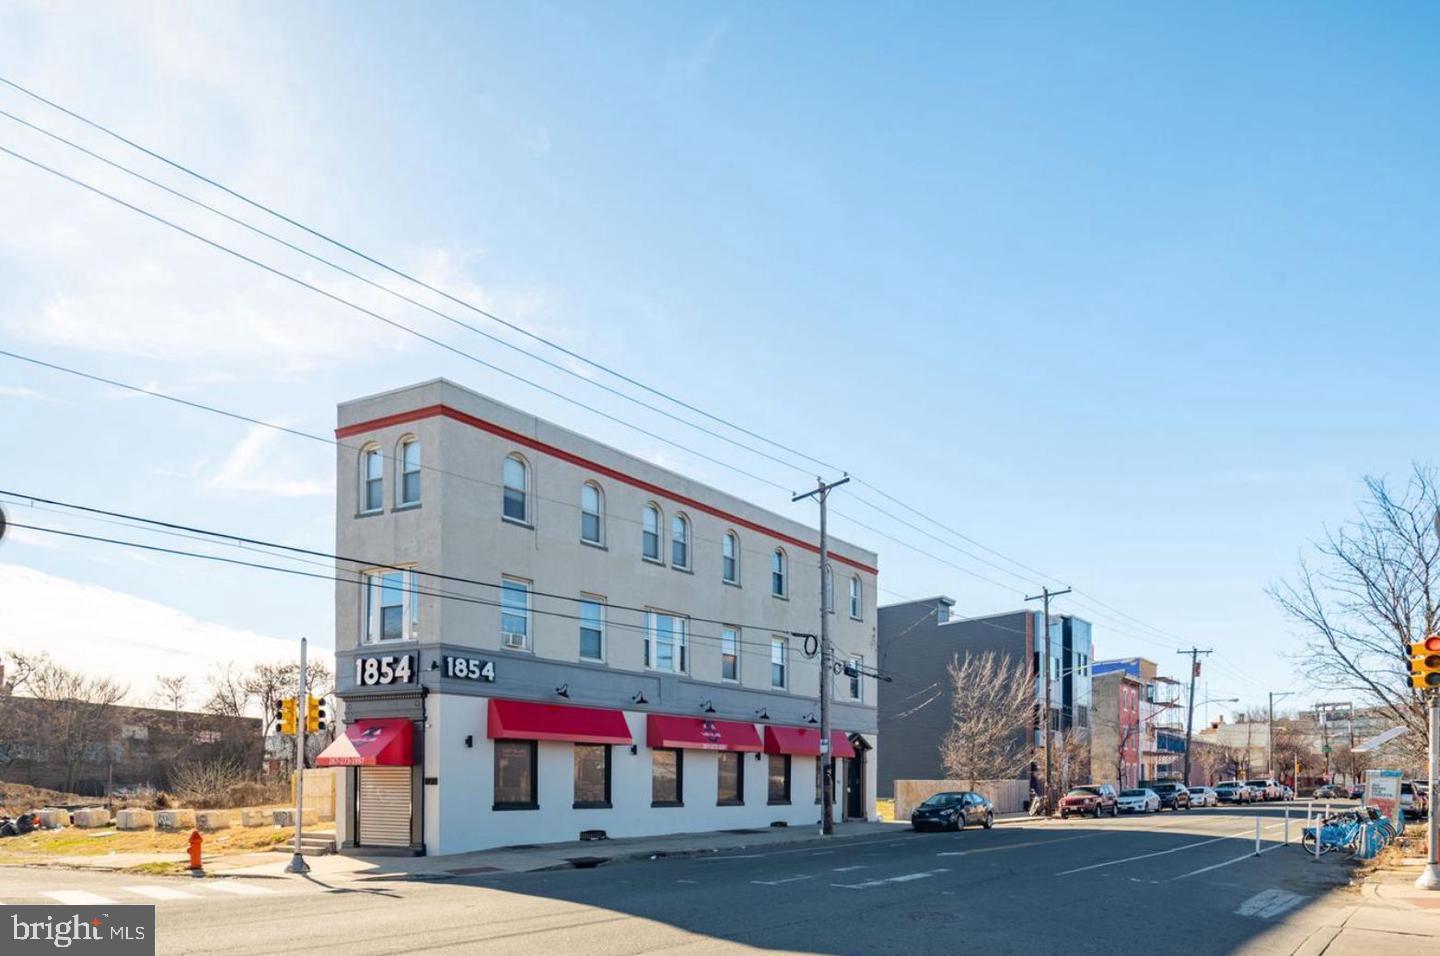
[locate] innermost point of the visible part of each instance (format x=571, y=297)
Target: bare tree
x=1072, y=757
x=992, y=705
x=227, y=694
x=1372, y=593
x=172, y=693
x=76, y=718
x=1128, y=734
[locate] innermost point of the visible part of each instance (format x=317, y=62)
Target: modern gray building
x=917, y=641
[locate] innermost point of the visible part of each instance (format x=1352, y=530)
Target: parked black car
x=952, y=810
x=1172, y=796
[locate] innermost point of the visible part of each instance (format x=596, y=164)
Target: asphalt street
x=1074, y=887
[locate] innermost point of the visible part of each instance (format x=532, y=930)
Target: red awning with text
x=389, y=742
x=530, y=720
x=805, y=742
x=697, y=733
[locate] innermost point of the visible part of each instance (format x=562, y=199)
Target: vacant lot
x=75, y=842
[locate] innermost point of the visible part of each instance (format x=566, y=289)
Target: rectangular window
x=852, y=671
x=515, y=776
x=516, y=490
x=515, y=613
x=779, y=661
x=410, y=473
x=592, y=630
x=391, y=611
x=667, y=778
x=729, y=655
x=731, y=779
x=666, y=642
x=592, y=776
x=730, y=568
x=779, y=787
x=374, y=498
x=855, y=599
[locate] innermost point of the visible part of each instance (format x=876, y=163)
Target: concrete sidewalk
x=1391, y=915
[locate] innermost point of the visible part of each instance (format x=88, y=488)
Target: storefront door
x=382, y=808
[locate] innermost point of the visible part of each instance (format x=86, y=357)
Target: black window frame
x=739, y=799
x=679, y=800
x=534, y=802
x=784, y=799
x=577, y=803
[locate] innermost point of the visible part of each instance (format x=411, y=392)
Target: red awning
x=372, y=743
x=805, y=742
x=698, y=733
x=529, y=720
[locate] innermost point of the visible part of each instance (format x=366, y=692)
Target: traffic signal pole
x=297, y=860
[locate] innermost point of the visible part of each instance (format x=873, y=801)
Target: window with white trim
x=408, y=487
x=730, y=654
x=779, y=662
x=372, y=480
x=650, y=532
x=730, y=558
x=391, y=611
x=680, y=542
x=515, y=613
x=666, y=642
x=852, y=673
x=778, y=568
x=592, y=515
x=517, y=490
x=855, y=597
x=592, y=628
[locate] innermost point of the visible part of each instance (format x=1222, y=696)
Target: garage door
x=383, y=810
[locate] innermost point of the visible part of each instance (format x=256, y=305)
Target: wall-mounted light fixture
x=469, y=740
x=810, y=718
x=639, y=697
x=434, y=665
x=634, y=749
x=763, y=714
x=563, y=691
x=708, y=707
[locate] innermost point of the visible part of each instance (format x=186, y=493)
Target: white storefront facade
x=542, y=636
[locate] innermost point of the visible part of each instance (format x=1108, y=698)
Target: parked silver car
x=1139, y=800
x=1204, y=797
x=1235, y=791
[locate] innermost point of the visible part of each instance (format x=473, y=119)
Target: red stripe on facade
x=445, y=411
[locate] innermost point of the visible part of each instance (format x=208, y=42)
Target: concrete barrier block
x=250, y=817
x=92, y=817
x=213, y=819
x=286, y=818
x=52, y=818
x=134, y=819
x=175, y=819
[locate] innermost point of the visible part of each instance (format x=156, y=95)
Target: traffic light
x=1425, y=663
x=285, y=713
x=315, y=715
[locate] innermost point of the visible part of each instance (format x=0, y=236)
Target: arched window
x=778, y=568
x=372, y=479
x=592, y=524
x=650, y=532
x=730, y=558
x=408, y=486
x=517, y=489
x=680, y=542
x=855, y=606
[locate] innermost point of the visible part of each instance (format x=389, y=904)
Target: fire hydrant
x=196, y=841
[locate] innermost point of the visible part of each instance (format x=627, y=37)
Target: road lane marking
x=79, y=898
x=238, y=889
x=1015, y=846
x=903, y=878
x=160, y=892
x=1269, y=904
x=1175, y=849
x=1215, y=866
x=847, y=869
x=788, y=879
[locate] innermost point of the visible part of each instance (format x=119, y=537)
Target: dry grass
x=885, y=809
x=16, y=798
x=1410, y=844
x=70, y=841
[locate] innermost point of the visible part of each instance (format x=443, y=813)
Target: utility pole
x=827, y=800
x=1270, y=735
x=297, y=860
x=1194, y=653
x=1044, y=596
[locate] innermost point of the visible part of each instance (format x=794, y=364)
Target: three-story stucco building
x=539, y=635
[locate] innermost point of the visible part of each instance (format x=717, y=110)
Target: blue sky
x=1133, y=294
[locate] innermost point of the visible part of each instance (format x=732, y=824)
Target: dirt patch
x=1410, y=844
x=16, y=798
x=35, y=847
x=885, y=809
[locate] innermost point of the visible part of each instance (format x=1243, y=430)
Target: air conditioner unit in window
x=514, y=640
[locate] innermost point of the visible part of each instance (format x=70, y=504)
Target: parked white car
x=1204, y=797
x=1142, y=800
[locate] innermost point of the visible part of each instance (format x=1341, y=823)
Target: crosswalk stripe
x=78, y=898
x=160, y=892
x=239, y=889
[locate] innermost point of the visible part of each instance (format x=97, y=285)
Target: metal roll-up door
x=383, y=810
